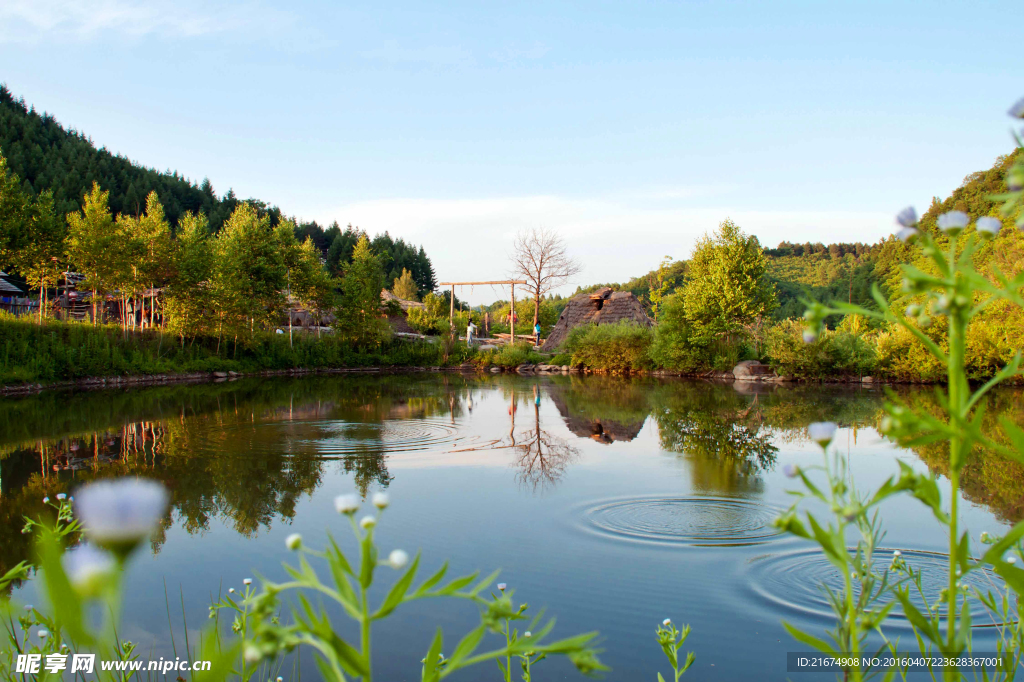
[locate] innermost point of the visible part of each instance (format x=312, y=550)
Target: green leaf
x=431, y=673
x=920, y=623
x=335, y=555
x=368, y=559
x=397, y=592
x=432, y=580
x=351, y=660
x=995, y=553
x=467, y=645
x=809, y=640
x=457, y=584
x=1016, y=437
x=485, y=582
x=59, y=590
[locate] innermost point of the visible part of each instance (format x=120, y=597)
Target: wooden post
x=512, y=314
x=451, y=311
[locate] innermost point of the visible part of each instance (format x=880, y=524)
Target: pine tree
x=359, y=317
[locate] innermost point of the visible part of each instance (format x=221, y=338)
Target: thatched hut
x=604, y=306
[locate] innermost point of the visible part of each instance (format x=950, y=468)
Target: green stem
x=851, y=611
x=957, y=403
x=366, y=637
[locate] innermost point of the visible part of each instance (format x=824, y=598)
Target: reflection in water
x=541, y=456
x=245, y=452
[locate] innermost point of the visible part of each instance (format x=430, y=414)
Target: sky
x=631, y=128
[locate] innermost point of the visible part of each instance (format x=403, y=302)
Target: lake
x=613, y=503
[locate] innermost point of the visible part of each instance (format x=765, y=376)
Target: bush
x=510, y=355
x=839, y=352
x=623, y=346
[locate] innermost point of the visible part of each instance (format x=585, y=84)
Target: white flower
x=1011, y=559
x=810, y=336
x=907, y=217
x=989, y=226
x=87, y=567
x=897, y=553
x=822, y=433
x=346, y=504
x=280, y=679
x=46, y=500
x=906, y=233
x=527, y=634
x=43, y=634
x=1017, y=110
x=29, y=607
x=502, y=586
x=790, y=470
x=667, y=622
x=61, y=496
x=231, y=590
x=985, y=537
x=252, y=654
x=380, y=500
x=120, y=513
x=952, y=222
x=398, y=559
x=247, y=581
x=367, y=522
x=293, y=541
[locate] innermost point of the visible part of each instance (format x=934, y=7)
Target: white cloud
x=28, y=21
x=469, y=239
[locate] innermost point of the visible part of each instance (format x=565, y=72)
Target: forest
x=64, y=163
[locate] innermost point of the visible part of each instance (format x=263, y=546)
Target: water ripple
x=691, y=520
x=387, y=437
x=794, y=581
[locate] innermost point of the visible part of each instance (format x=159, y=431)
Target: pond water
x=613, y=503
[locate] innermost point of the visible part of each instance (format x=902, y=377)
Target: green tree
x=250, y=274
x=189, y=296
x=92, y=244
x=359, y=317
x=13, y=205
x=405, y=288
x=662, y=287
x=728, y=288
x=313, y=286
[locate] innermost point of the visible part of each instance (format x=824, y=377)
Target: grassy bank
x=60, y=351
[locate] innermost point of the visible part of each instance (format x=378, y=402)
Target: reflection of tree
x=541, y=457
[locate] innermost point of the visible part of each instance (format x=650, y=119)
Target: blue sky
x=632, y=128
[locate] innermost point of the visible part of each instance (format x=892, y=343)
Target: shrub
x=621, y=346
x=510, y=355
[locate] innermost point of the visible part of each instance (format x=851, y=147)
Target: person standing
x=470, y=330
x=536, y=331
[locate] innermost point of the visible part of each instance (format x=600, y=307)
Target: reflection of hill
x=604, y=409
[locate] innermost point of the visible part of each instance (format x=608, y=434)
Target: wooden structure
x=512, y=307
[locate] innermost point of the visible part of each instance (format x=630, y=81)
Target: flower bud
x=913, y=310
x=398, y=559
x=810, y=336
x=1017, y=110
x=988, y=226
x=247, y=582
x=43, y=634
x=822, y=433
x=502, y=586
x=88, y=569
x=367, y=522
x=117, y=515
x=380, y=500
x=906, y=234
x=346, y=504
x=293, y=541
x=907, y=217
x=791, y=470
x=667, y=622
x=952, y=222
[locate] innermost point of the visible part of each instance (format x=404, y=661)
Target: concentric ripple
x=694, y=520
x=409, y=435
x=794, y=581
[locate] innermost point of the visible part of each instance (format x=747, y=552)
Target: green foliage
x=671, y=641
x=509, y=355
x=57, y=351
x=405, y=288
x=622, y=346
x=727, y=285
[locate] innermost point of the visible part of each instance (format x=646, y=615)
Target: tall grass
x=58, y=351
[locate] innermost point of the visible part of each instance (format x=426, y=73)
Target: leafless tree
x=539, y=256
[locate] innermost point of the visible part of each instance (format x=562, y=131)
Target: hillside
x=846, y=272
x=46, y=156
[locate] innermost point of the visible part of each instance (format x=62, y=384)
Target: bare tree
x=539, y=257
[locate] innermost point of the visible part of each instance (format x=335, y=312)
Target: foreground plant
x=953, y=293
x=256, y=612
x=671, y=640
